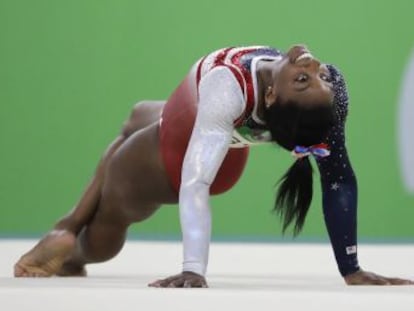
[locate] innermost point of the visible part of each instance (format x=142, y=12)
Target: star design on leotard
x=335, y=186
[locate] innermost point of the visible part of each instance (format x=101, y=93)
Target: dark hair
x=292, y=124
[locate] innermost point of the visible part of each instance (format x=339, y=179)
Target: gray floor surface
x=241, y=276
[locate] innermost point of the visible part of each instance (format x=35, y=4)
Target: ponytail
x=294, y=195
x=299, y=129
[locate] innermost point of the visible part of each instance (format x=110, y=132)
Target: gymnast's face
x=300, y=77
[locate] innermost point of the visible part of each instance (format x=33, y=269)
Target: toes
x=19, y=271
x=29, y=272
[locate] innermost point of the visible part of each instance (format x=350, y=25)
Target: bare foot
x=48, y=256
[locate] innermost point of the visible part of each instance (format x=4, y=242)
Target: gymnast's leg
x=134, y=188
x=47, y=257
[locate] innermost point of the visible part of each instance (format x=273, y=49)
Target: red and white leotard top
x=205, y=132
x=242, y=63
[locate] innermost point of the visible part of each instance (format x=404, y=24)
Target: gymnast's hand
x=185, y=279
x=369, y=278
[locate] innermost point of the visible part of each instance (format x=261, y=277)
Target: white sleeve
x=221, y=102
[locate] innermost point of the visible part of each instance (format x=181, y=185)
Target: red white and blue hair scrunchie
x=318, y=151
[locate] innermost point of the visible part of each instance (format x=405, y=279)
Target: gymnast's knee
x=143, y=114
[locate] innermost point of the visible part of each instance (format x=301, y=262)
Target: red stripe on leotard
x=242, y=75
x=247, y=75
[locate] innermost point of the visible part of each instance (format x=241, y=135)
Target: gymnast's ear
x=270, y=96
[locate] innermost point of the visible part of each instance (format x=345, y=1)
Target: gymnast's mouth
x=299, y=52
x=306, y=55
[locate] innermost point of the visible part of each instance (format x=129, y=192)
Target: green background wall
x=71, y=70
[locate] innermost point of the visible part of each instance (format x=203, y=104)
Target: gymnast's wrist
x=195, y=267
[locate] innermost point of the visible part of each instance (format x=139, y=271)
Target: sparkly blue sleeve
x=339, y=186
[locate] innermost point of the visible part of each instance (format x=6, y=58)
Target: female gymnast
x=196, y=144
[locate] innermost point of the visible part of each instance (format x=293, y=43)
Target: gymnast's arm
x=339, y=186
x=339, y=198
x=221, y=102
